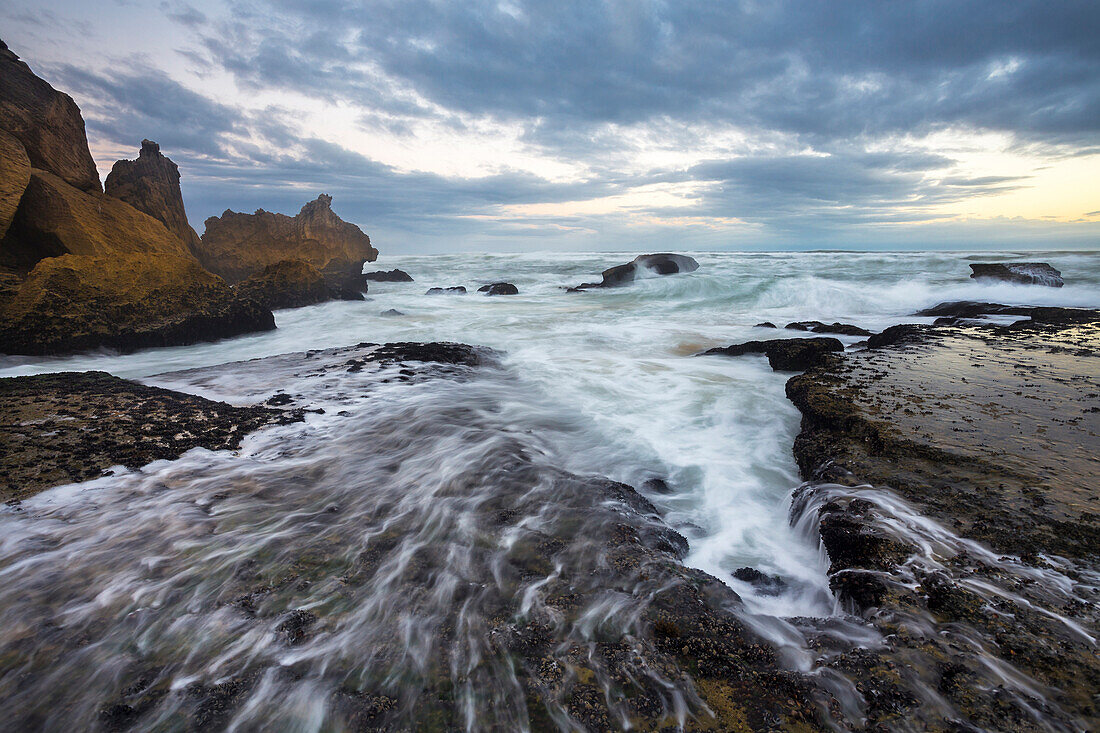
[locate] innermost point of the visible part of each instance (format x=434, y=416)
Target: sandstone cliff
x=80, y=269
x=287, y=284
x=15, y=174
x=78, y=302
x=55, y=218
x=46, y=122
x=151, y=184
x=237, y=246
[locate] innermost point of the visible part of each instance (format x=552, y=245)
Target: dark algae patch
x=72, y=426
x=993, y=431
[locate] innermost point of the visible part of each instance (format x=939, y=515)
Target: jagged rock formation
x=287, y=284
x=79, y=268
x=55, y=219
x=151, y=184
x=237, y=246
x=77, y=302
x=46, y=123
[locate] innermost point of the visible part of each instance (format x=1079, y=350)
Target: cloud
x=785, y=121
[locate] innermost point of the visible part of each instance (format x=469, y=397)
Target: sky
x=513, y=125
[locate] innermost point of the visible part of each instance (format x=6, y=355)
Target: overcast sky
x=604, y=124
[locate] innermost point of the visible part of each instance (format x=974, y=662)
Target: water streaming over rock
x=437, y=523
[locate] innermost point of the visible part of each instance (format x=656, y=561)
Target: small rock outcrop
x=393, y=276
x=151, y=184
x=1024, y=273
x=46, y=122
x=660, y=264
x=499, y=289
x=456, y=290
x=237, y=246
x=788, y=355
x=842, y=329
x=287, y=284
x=78, y=302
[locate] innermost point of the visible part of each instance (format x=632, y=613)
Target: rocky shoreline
x=967, y=639
x=991, y=432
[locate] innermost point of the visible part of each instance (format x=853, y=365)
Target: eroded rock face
x=1024, y=273
x=499, y=289
x=55, y=219
x=287, y=284
x=15, y=174
x=237, y=246
x=151, y=184
x=46, y=122
x=77, y=302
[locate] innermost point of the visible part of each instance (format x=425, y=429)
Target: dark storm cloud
x=814, y=84
x=821, y=69
x=135, y=100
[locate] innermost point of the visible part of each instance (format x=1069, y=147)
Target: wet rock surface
x=401, y=595
x=785, y=354
x=970, y=436
x=841, y=329
x=453, y=290
x=499, y=289
x=1024, y=273
x=72, y=426
x=392, y=276
x=659, y=264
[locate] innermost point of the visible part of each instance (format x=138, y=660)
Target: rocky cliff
x=237, y=246
x=151, y=184
x=80, y=269
x=46, y=122
x=77, y=302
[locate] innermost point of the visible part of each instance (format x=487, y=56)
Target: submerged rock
x=456, y=290
x=391, y=313
x=499, y=289
x=785, y=354
x=842, y=329
x=393, y=276
x=237, y=246
x=151, y=184
x=1026, y=273
x=769, y=585
x=765, y=324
